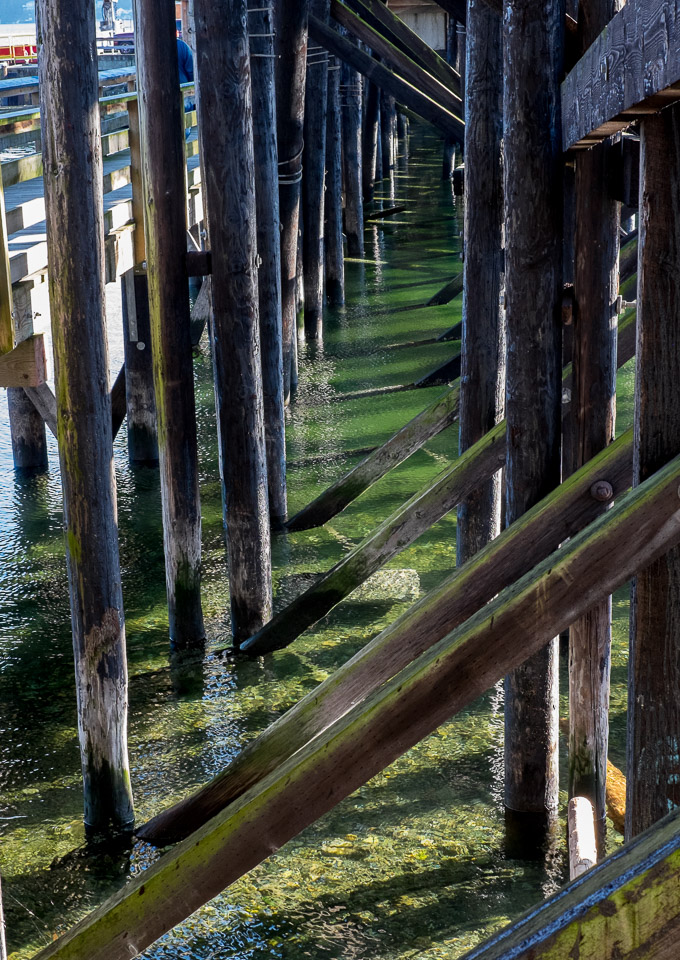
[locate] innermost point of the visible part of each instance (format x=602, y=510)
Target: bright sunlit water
x=411, y=865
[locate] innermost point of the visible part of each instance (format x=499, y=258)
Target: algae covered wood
x=654, y=671
x=428, y=423
x=163, y=171
x=448, y=292
x=75, y=240
x=140, y=401
x=392, y=536
x=372, y=734
x=532, y=55
x=225, y=108
x=382, y=76
x=626, y=906
x=517, y=549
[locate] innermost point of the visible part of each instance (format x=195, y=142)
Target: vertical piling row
x=334, y=258
x=140, y=401
x=226, y=125
x=261, y=28
x=352, y=160
x=163, y=174
x=72, y=162
x=593, y=411
x=533, y=52
x=449, y=157
x=654, y=662
x=291, y=21
x=370, y=141
x=314, y=160
x=482, y=384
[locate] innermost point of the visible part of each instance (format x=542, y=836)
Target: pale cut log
x=511, y=555
x=582, y=846
x=375, y=732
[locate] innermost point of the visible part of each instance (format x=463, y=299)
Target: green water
x=412, y=864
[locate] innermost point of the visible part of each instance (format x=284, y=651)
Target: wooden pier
x=567, y=119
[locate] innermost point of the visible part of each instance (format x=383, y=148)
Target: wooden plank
x=466, y=590
x=373, y=733
x=25, y=365
x=21, y=169
x=448, y=292
x=631, y=70
x=384, y=543
x=393, y=28
x=45, y=403
x=6, y=308
x=400, y=63
x=384, y=78
x=627, y=906
x=394, y=451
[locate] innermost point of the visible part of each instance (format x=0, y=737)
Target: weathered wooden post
x=653, y=703
x=139, y=391
x=3, y=944
x=75, y=237
x=226, y=126
x=314, y=160
x=291, y=21
x=162, y=138
x=596, y=282
x=27, y=427
x=352, y=161
x=449, y=157
x=369, y=141
x=261, y=27
x=482, y=383
x=388, y=125
x=334, y=259
x=533, y=44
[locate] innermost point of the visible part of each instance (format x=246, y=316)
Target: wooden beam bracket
x=25, y=366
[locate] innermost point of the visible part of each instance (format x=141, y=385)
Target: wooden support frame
x=632, y=69
x=378, y=15
x=384, y=78
x=415, y=702
x=445, y=95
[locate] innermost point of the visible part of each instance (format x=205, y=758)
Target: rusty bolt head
x=602, y=490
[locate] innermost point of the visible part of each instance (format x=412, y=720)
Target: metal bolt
x=602, y=490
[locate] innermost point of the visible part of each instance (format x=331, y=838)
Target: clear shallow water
x=412, y=864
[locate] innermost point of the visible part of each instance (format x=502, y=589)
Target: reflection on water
x=413, y=863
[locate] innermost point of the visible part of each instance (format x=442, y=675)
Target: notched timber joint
x=25, y=366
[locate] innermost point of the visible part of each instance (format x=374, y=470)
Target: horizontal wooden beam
x=384, y=78
x=644, y=525
x=627, y=906
x=400, y=62
x=25, y=366
x=393, y=28
x=631, y=70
